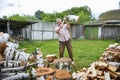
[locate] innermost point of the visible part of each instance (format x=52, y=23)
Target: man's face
x=58, y=23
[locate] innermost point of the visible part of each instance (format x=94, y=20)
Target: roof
x=108, y=18
x=104, y=23
x=15, y=23
x=110, y=15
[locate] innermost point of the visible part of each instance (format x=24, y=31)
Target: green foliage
x=38, y=14
x=84, y=13
x=22, y=18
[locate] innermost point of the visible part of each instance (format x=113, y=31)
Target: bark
x=10, y=64
x=116, y=64
x=18, y=68
x=12, y=54
x=4, y=75
x=21, y=76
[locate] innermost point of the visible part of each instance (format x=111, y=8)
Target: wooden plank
x=112, y=68
x=94, y=73
x=107, y=75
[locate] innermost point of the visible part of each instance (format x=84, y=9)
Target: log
x=12, y=54
x=116, y=64
x=10, y=64
x=113, y=74
x=94, y=73
x=100, y=77
x=40, y=59
x=112, y=68
x=4, y=75
x=12, y=45
x=101, y=64
x=107, y=75
x=85, y=75
x=41, y=71
x=21, y=76
x=51, y=57
x=63, y=75
x=4, y=37
x=99, y=72
x=18, y=68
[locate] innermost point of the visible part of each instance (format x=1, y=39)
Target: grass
x=84, y=51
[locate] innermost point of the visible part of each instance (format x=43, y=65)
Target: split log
x=51, y=57
x=116, y=64
x=107, y=75
x=85, y=75
x=101, y=77
x=4, y=37
x=99, y=73
x=112, y=73
x=14, y=45
x=101, y=64
x=76, y=76
x=112, y=68
x=40, y=60
x=94, y=74
x=3, y=46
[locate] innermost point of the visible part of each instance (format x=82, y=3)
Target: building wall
x=46, y=31
x=91, y=32
x=77, y=31
x=110, y=32
x=40, y=31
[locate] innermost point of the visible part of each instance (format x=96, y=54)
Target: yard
x=85, y=51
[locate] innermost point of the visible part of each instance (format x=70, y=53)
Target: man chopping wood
x=64, y=37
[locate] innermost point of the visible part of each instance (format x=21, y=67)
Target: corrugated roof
x=15, y=23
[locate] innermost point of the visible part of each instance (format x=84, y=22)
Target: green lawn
x=84, y=51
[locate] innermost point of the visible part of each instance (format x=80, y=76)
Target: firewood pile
x=17, y=64
x=106, y=68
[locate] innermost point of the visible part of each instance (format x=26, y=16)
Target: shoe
x=72, y=62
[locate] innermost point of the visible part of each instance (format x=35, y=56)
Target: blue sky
x=28, y=7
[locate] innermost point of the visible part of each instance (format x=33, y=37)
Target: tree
x=22, y=18
x=38, y=14
x=84, y=13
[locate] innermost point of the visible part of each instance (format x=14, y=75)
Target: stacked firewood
x=17, y=64
x=106, y=68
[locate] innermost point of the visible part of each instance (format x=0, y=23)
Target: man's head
x=58, y=21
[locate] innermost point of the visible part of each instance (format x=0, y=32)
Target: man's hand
x=65, y=19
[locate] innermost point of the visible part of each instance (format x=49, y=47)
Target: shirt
x=63, y=34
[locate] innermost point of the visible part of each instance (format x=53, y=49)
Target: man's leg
x=61, y=48
x=69, y=48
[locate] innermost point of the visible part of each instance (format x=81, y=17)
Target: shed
x=13, y=27
x=77, y=31
x=106, y=27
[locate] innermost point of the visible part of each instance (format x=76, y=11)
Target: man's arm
x=58, y=28
x=67, y=23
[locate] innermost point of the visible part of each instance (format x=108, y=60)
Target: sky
x=29, y=7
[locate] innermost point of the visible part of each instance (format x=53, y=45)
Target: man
x=64, y=37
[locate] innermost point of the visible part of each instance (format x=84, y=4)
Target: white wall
x=40, y=31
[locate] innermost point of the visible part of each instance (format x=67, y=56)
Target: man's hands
x=65, y=19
